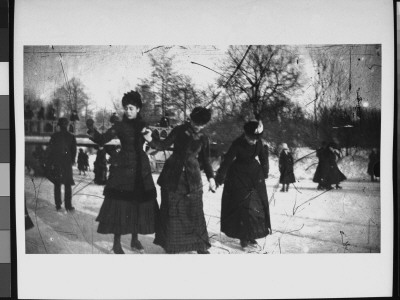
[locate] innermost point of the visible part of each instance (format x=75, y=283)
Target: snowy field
x=304, y=220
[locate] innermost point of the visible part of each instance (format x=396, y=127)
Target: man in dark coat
x=61, y=157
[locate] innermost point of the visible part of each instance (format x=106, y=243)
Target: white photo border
x=191, y=22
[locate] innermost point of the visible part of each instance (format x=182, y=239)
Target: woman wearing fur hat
x=245, y=209
x=182, y=225
x=286, y=168
x=130, y=205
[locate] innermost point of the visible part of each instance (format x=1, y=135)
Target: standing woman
x=286, y=168
x=332, y=175
x=321, y=167
x=245, y=208
x=130, y=205
x=182, y=225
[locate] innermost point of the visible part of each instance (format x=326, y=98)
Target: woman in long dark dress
x=286, y=168
x=182, y=225
x=321, y=155
x=130, y=205
x=245, y=208
x=331, y=172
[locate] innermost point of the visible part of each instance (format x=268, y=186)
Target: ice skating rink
x=304, y=220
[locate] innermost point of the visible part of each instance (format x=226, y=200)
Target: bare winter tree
x=162, y=77
x=185, y=97
x=341, y=73
x=72, y=96
x=261, y=74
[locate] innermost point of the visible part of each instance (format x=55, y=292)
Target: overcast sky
x=107, y=72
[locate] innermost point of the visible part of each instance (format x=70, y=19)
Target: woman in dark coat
x=373, y=164
x=182, y=225
x=245, y=208
x=100, y=167
x=331, y=173
x=286, y=168
x=321, y=155
x=81, y=162
x=130, y=205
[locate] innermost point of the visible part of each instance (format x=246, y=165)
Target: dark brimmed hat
x=200, y=115
x=252, y=129
x=132, y=98
x=63, y=122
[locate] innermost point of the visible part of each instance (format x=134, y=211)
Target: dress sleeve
x=228, y=159
x=158, y=144
x=263, y=157
x=205, y=157
x=102, y=138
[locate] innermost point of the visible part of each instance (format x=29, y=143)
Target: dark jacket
x=190, y=150
x=130, y=174
x=286, y=167
x=61, y=155
x=241, y=153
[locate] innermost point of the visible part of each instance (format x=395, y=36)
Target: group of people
x=326, y=174
x=130, y=198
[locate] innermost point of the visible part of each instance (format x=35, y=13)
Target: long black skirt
x=182, y=226
x=244, y=206
x=122, y=216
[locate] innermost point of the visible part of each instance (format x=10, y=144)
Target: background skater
x=61, y=155
x=286, y=168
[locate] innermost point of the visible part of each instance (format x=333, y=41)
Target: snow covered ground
x=304, y=220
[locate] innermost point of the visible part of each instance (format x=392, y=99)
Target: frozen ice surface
x=304, y=220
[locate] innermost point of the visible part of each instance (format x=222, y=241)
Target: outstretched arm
x=102, y=138
x=156, y=143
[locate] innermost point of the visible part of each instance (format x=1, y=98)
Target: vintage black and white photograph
x=257, y=132
x=202, y=149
